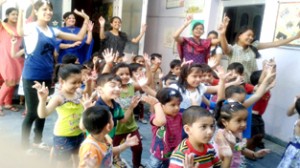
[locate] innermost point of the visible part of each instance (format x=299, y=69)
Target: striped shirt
x=206, y=159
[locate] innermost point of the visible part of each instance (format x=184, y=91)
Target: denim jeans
x=156, y=163
x=31, y=100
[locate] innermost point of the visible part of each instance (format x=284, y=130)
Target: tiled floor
x=10, y=137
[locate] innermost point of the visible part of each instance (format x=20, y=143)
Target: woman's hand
x=101, y=21
x=188, y=20
x=223, y=26
x=42, y=90
x=90, y=26
x=82, y=14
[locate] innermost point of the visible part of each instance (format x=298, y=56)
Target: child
x=215, y=49
x=138, y=59
x=175, y=66
x=232, y=121
x=199, y=124
x=96, y=150
x=128, y=102
x=165, y=122
x=156, y=71
x=290, y=158
x=67, y=134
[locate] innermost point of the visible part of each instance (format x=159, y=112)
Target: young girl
x=291, y=156
x=165, y=122
x=128, y=102
x=67, y=134
x=39, y=44
x=231, y=119
x=215, y=49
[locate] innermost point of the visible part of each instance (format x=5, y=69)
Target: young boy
x=96, y=150
x=175, y=66
x=195, y=151
x=108, y=87
x=156, y=71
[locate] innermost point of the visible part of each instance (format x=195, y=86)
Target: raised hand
x=147, y=59
x=212, y=62
x=149, y=99
x=90, y=26
x=141, y=79
x=42, y=90
x=188, y=19
x=101, y=21
x=135, y=101
x=81, y=14
x=221, y=72
x=189, y=161
x=87, y=101
x=131, y=141
x=186, y=62
x=108, y=55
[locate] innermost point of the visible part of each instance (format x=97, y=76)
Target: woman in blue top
x=39, y=40
x=82, y=49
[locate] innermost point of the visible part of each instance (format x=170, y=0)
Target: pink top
x=11, y=68
x=166, y=138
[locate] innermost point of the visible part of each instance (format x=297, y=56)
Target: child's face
x=237, y=123
x=212, y=36
x=120, y=59
x=124, y=74
x=246, y=38
x=139, y=71
x=176, y=70
x=172, y=107
x=110, y=90
x=201, y=131
x=194, y=78
x=207, y=78
x=156, y=61
x=72, y=83
x=238, y=97
x=140, y=60
x=233, y=74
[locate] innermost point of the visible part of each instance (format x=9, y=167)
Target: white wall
x=288, y=80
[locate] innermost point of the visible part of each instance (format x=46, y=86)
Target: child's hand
x=131, y=141
x=82, y=14
x=108, y=55
x=42, y=90
x=13, y=40
x=212, y=62
x=149, y=99
x=135, y=101
x=189, y=161
x=87, y=101
x=89, y=162
x=147, y=59
x=261, y=153
x=101, y=21
x=221, y=72
x=141, y=79
x=75, y=44
x=186, y=62
x=223, y=146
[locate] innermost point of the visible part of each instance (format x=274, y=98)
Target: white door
x=133, y=14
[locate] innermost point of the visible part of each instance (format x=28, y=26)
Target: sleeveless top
x=69, y=114
x=39, y=64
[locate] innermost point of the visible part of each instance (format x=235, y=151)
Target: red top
x=261, y=105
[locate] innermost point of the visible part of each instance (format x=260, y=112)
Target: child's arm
x=261, y=90
x=87, y=102
x=176, y=35
x=291, y=111
x=255, y=155
x=138, y=38
x=43, y=92
x=142, y=81
x=160, y=117
x=222, y=37
x=130, y=141
x=134, y=102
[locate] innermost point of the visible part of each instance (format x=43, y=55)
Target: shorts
x=153, y=162
x=64, y=147
x=258, y=125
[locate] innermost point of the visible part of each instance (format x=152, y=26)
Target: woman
x=193, y=48
x=11, y=68
x=245, y=50
x=82, y=49
x=114, y=38
x=39, y=40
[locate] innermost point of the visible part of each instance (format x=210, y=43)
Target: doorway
x=250, y=16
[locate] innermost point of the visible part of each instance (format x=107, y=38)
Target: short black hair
x=229, y=91
x=174, y=63
x=96, y=118
x=69, y=59
x=107, y=77
x=135, y=66
x=193, y=113
x=238, y=67
x=254, y=78
x=152, y=57
x=206, y=68
x=165, y=95
x=121, y=65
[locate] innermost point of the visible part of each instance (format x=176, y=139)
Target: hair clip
x=172, y=92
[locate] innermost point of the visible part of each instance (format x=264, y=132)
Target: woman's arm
x=222, y=31
x=278, y=43
x=66, y=46
x=82, y=32
x=13, y=49
x=176, y=35
x=138, y=38
x=20, y=24
x=102, y=25
x=90, y=27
